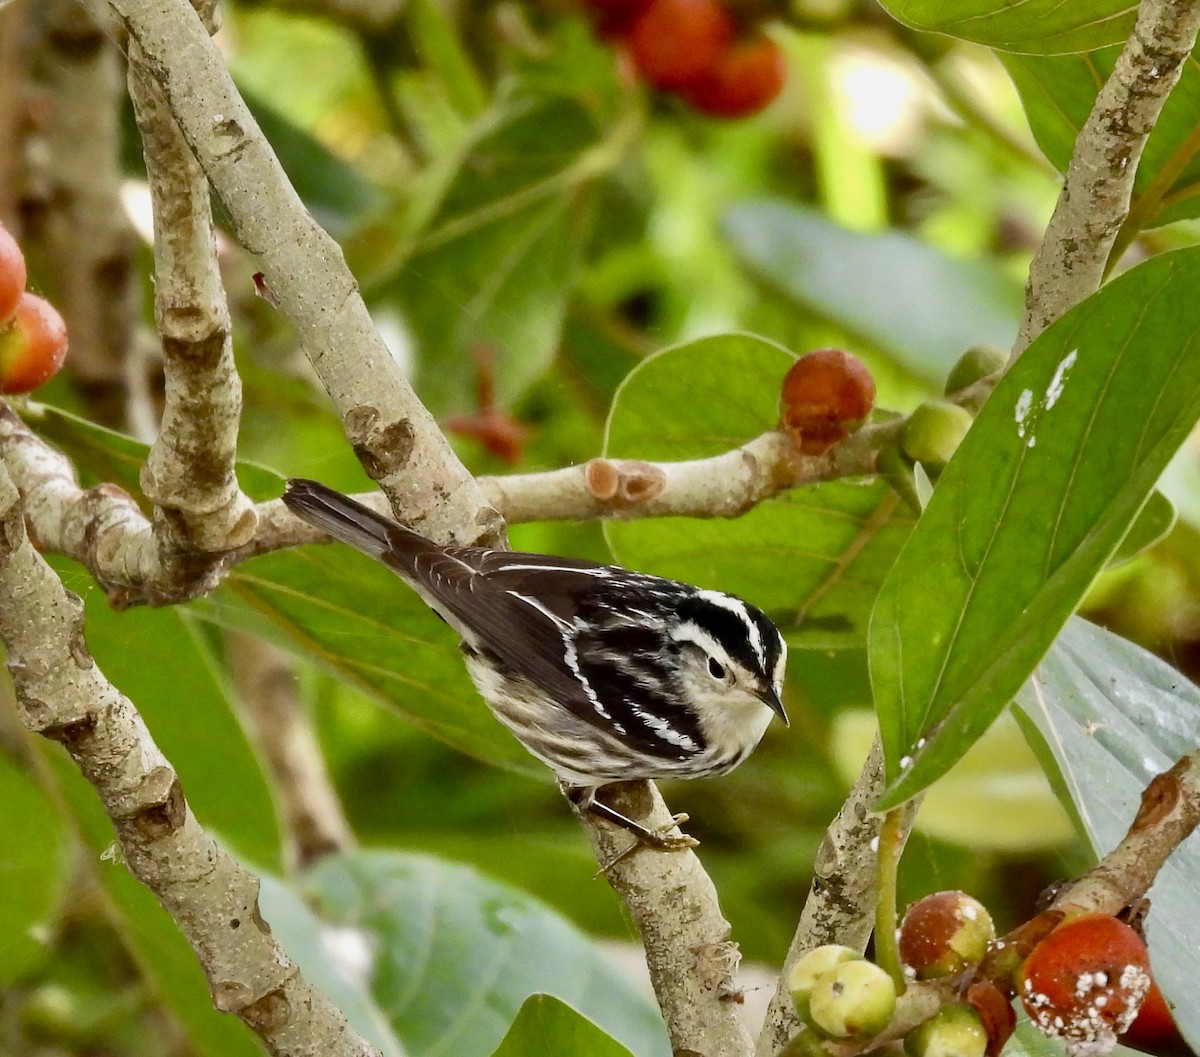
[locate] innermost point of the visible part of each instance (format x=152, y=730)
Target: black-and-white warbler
x=603, y=674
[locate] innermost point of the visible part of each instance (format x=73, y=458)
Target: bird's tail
x=343, y=518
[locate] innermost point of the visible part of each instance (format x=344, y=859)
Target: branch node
x=269, y=1013
x=167, y=811
x=382, y=449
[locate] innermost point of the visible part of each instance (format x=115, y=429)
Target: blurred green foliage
x=624, y=276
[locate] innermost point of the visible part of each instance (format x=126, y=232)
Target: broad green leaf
x=1114, y=716
x=162, y=664
x=1034, y=503
x=492, y=267
x=168, y=965
x=34, y=867
x=812, y=558
x=332, y=959
x=546, y=1027
x=453, y=955
x=902, y=295
x=1154, y=523
x=1044, y=27
x=1058, y=94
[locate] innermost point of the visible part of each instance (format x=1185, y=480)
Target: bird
x=602, y=673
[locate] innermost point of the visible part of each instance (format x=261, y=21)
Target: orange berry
x=675, y=42
x=1154, y=1029
x=12, y=275
x=32, y=345
x=1086, y=981
x=743, y=82
x=826, y=396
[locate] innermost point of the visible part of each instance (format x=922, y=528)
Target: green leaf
x=1058, y=94
x=36, y=865
x=812, y=558
x=546, y=1027
x=331, y=960
x=159, y=661
x=1039, y=495
x=1036, y=26
x=455, y=954
x=1154, y=523
x=1114, y=716
x=493, y=266
x=168, y=964
x=902, y=295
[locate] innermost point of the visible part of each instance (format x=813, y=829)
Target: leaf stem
x=891, y=844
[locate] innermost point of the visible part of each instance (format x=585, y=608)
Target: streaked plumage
x=603, y=674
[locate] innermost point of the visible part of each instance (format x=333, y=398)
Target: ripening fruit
x=826, y=396
x=815, y=963
x=1086, y=981
x=1154, y=1029
x=32, y=345
x=943, y=934
x=953, y=1031
x=853, y=1000
x=674, y=42
x=934, y=431
x=977, y=362
x=12, y=275
x=750, y=76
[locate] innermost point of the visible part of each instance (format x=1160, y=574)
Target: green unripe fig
x=934, y=431
x=977, y=362
x=815, y=963
x=854, y=1000
x=954, y=1031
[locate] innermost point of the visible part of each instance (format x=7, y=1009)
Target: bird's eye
x=715, y=668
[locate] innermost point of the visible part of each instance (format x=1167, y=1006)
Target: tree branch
x=672, y=900
x=1169, y=813
x=190, y=473
x=1071, y=262
x=62, y=695
x=394, y=436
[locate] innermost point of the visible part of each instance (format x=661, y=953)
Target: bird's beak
x=771, y=699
